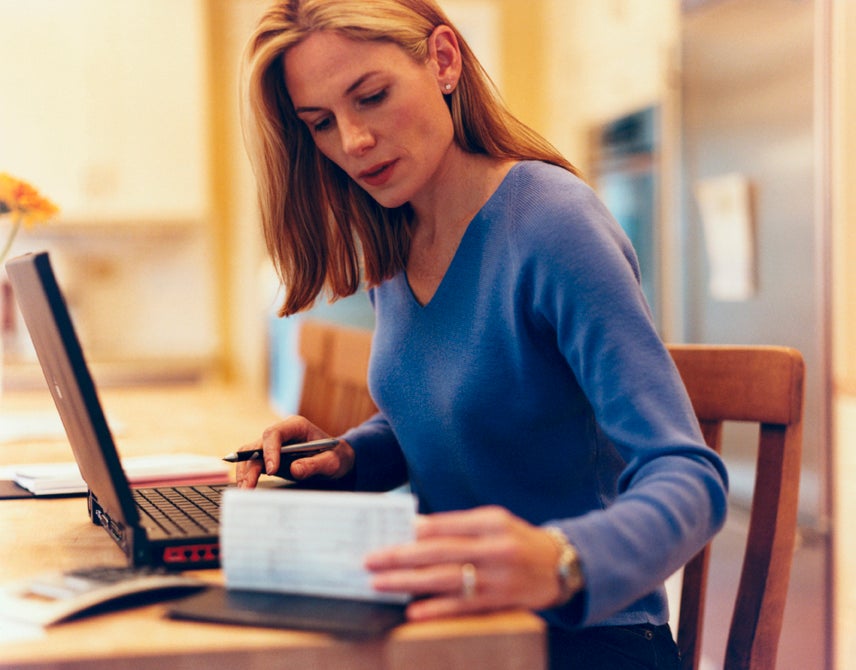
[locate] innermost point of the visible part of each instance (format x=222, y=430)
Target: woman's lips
x=379, y=174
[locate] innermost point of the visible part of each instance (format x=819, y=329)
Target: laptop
x=168, y=527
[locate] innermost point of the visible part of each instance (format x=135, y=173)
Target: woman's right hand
x=332, y=464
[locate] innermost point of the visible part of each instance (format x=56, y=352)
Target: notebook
x=174, y=527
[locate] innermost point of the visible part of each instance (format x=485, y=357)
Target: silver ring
x=468, y=580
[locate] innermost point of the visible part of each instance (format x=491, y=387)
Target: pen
x=254, y=454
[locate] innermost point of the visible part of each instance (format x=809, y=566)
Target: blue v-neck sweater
x=534, y=379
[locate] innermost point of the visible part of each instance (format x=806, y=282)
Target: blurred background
x=715, y=130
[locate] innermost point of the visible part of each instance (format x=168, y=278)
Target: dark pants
x=638, y=647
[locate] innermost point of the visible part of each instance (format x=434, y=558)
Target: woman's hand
x=471, y=561
x=334, y=463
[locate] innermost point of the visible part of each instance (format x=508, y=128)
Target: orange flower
x=22, y=200
x=25, y=205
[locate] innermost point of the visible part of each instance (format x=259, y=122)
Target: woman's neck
x=461, y=187
x=442, y=217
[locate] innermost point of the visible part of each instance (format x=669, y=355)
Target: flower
x=24, y=205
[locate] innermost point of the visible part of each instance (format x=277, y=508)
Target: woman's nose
x=356, y=137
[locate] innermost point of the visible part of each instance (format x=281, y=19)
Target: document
x=165, y=469
x=310, y=542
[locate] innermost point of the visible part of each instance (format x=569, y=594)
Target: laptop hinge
x=132, y=540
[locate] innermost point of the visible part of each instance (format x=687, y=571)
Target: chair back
x=764, y=385
x=335, y=393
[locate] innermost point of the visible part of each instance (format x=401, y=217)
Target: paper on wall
x=726, y=214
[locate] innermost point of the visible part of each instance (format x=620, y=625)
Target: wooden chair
x=335, y=393
x=750, y=384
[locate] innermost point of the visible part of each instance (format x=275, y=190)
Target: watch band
x=568, y=570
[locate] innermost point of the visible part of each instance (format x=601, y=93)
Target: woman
x=523, y=390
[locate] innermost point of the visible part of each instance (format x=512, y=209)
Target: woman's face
x=373, y=111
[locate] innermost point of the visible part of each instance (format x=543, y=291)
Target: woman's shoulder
x=528, y=172
x=543, y=198
x=551, y=218
x=538, y=189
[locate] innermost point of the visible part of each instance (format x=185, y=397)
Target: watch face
x=568, y=567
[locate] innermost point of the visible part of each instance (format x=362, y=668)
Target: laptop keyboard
x=182, y=510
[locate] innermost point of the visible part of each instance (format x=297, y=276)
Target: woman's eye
x=321, y=126
x=374, y=99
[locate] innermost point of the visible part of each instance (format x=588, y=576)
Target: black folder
x=350, y=618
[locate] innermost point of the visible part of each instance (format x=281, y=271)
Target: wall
x=244, y=294
x=844, y=197
x=104, y=87
x=598, y=68
x=841, y=25
x=750, y=109
x=523, y=79
x=104, y=109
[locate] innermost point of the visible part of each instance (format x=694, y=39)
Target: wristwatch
x=568, y=571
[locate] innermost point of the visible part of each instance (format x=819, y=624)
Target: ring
x=468, y=580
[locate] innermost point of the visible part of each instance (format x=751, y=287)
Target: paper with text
x=310, y=542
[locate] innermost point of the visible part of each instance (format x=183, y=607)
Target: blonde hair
x=323, y=231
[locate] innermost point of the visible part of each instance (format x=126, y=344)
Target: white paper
x=56, y=478
x=310, y=542
x=726, y=214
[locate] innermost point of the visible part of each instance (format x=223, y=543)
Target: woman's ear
x=445, y=55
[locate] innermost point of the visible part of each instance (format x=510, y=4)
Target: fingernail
x=269, y=467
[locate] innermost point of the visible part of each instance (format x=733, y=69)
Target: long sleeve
x=379, y=463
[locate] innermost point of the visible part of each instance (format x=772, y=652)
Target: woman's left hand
x=476, y=560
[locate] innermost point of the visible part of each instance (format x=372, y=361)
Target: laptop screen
x=70, y=383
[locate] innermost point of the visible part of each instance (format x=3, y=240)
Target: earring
x=448, y=87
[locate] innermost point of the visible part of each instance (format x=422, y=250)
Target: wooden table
x=55, y=534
